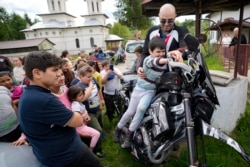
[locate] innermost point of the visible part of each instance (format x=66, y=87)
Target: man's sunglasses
x=169, y=21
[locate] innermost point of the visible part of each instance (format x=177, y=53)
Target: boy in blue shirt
x=47, y=123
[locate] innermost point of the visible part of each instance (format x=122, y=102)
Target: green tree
x=17, y=23
x=120, y=30
x=129, y=13
x=12, y=24
x=4, y=24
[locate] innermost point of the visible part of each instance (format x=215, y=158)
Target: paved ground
x=127, y=65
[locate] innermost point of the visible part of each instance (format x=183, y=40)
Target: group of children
x=80, y=92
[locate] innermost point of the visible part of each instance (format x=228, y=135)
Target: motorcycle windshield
x=207, y=83
x=205, y=78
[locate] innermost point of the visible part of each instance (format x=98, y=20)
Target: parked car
x=130, y=50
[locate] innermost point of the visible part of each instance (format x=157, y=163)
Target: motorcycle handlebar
x=181, y=65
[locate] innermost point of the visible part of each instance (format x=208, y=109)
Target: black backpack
x=5, y=64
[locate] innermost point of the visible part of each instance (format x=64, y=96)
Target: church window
x=46, y=33
x=54, y=33
x=41, y=34
x=93, y=8
x=60, y=33
x=90, y=30
x=76, y=32
x=77, y=43
x=92, y=42
x=59, y=5
x=35, y=35
x=97, y=6
x=53, y=5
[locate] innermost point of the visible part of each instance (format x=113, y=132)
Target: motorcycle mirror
x=192, y=42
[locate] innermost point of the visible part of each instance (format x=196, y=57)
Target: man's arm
x=243, y=39
x=133, y=69
x=145, y=51
x=183, y=31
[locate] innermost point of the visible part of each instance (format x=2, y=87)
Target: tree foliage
x=129, y=13
x=120, y=30
x=12, y=24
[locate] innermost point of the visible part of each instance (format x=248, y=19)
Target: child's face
x=17, y=62
x=6, y=81
x=106, y=67
x=86, y=79
x=80, y=97
x=49, y=78
x=157, y=52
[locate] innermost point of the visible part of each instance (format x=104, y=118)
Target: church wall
x=66, y=38
x=59, y=17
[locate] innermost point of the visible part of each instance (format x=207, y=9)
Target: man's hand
x=141, y=73
x=177, y=55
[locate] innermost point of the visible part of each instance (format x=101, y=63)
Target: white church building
x=220, y=16
x=61, y=28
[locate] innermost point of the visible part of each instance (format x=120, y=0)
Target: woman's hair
x=64, y=54
x=94, y=65
x=69, y=75
x=77, y=63
x=73, y=92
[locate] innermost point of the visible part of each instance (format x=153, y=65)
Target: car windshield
x=131, y=47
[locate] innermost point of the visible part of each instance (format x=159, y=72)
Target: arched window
x=53, y=5
x=92, y=41
x=97, y=6
x=59, y=5
x=93, y=8
x=77, y=43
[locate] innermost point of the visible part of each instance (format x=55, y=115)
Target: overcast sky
x=74, y=7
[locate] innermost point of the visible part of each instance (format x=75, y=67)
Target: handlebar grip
x=181, y=65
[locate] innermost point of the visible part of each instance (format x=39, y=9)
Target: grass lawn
x=218, y=154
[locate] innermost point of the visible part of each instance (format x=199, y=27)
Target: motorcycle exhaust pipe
x=149, y=150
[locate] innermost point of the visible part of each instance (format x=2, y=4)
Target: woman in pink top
x=60, y=91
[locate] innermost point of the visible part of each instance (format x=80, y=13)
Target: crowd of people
x=55, y=104
x=65, y=112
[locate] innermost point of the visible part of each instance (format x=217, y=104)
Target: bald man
x=167, y=30
x=235, y=38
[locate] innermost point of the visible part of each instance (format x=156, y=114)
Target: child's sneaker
x=100, y=155
x=127, y=140
x=116, y=136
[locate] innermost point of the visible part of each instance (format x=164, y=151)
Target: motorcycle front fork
x=191, y=140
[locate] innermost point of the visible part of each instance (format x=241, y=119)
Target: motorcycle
x=115, y=58
x=181, y=109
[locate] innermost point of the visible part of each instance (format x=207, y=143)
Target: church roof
x=59, y=13
x=112, y=37
x=22, y=43
x=96, y=15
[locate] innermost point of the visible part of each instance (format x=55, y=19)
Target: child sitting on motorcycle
x=153, y=66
